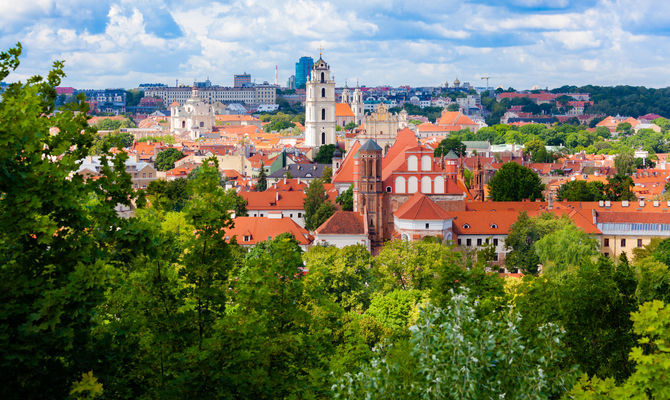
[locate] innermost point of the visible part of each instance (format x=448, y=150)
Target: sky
x=518, y=43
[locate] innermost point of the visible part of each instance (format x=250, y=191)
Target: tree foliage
x=165, y=159
x=346, y=199
x=450, y=144
x=318, y=208
x=513, y=182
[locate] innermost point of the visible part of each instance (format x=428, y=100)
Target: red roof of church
x=343, y=223
x=343, y=110
x=395, y=156
x=419, y=206
x=346, y=172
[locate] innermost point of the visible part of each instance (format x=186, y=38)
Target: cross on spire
x=320, y=51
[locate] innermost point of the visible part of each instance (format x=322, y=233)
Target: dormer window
x=494, y=226
x=247, y=238
x=466, y=226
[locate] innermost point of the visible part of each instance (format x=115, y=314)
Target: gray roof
x=306, y=171
x=451, y=155
x=370, y=145
x=93, y=164
x=476, y=144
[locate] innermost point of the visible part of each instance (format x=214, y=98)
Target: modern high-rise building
x=291, y=82
x=241, y=80
x=303, y=68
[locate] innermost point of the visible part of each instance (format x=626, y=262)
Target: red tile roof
x=273, y=199
x=258, y=229
x=420, y=207
x=343, y=110
x=343, y=223
x=346, y=172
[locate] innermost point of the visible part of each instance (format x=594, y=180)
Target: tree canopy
x=165, y=159
x=513, y=182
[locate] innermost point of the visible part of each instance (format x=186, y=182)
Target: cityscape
x=268, y=229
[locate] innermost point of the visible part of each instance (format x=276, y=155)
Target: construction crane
x=487, y=81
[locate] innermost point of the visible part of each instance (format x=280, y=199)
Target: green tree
x=455, y=354
x=207, y=257
x=619, y=188
x=512, y=182
x=625, y=163
x=351, y=125
x=317, y=206
x=652, y=358
x=346, y=199
x=262, y=180
x=537, y=150
x=325, y=154
x=344, y=275
x=581, y=191
x=523, y=236
x=168, y=195
x=450, y=144
x=239, y=203
x=624, y=128
x=452, y=107
x=592, y=303
x=165, y=159
x=58, y=237
x=565, y=247
x=327, y=174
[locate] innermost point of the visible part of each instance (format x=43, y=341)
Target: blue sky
x=519, y=43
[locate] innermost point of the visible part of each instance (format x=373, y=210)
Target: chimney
x=550, y=202
x=284, y=180
x=276, y=196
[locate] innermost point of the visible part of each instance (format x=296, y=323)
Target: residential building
x=141, y=173
x=249, y=231
x=106, y=100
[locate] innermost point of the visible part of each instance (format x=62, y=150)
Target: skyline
x=518, y=43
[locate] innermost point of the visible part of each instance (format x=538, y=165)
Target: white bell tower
x=357, y=106
x=320, y=107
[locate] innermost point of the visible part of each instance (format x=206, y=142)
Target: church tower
x=320, y=107
x=478, y=181
x=368, y=193
x=357, y=106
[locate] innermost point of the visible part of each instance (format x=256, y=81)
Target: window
x=323, y=77
x=425, y=184
x=459, y=242
x=639, y=243
x=299, y=215
x=323, y=114
x=427, y=225
x=623, y=242
x=495, y=256
x=388, y=189
x=479, y=242
x=468, y=242
x=606, y=243
x=247, y=238
x=323, y=92
x=323, y=137
x=202, y=124
x=144, y=174
x=494, y=226
x=438, y=185
x=495, y=242
x=425, y=163
x=412, y=184
x=400, y=184
x=466, y=226
x=412, y=163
